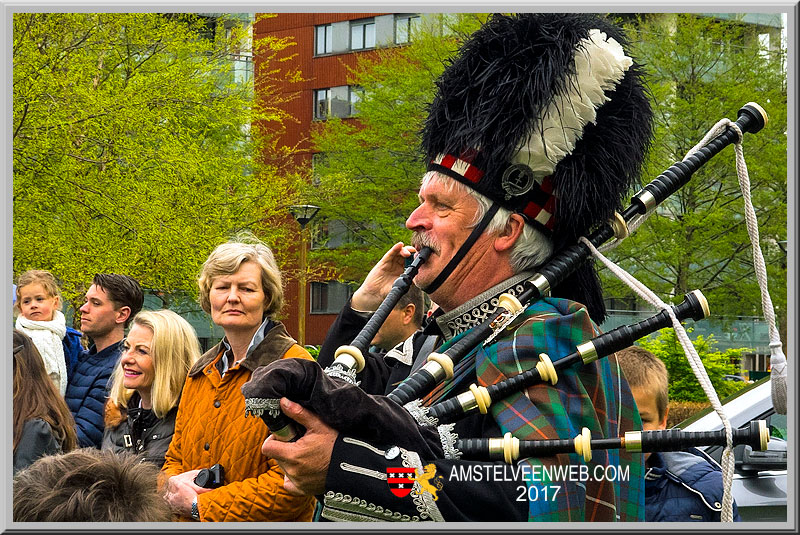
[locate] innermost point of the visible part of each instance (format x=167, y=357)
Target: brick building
x=327, y=44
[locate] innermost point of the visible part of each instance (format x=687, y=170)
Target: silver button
x=392, y=453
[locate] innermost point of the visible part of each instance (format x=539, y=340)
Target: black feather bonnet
x=545, y=114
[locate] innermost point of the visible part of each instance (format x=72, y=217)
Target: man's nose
x=419, y=219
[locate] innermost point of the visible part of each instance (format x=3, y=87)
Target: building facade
x=327, y=44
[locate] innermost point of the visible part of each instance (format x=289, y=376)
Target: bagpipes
x=335, y=398
x=511, y=449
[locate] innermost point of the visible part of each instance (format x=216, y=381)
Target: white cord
x=777, y=357
x=697, y=367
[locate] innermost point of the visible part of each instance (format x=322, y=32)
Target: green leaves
x=701, y=70
x=132, y=146
x=683, y=385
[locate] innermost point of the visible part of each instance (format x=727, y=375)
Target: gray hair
x=531, y=250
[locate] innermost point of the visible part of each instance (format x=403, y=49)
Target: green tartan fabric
x=564, y=488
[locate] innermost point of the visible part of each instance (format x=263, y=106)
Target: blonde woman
x=140, y=413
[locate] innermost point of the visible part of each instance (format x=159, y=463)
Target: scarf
x=47, y=336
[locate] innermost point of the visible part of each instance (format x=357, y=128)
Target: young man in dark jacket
x=398, y=339
x=679, y=486
x=111, y=301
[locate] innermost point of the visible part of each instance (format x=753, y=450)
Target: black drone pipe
x=752, y=118
x=694, y=306
x=349, y=360
x=510, y=448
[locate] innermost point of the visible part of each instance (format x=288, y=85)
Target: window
x=620, y=303
x=329, y=297
x=362, y=34
x=355, y=97
x=322, y=99
x=404, y=26
x=317, y=160
x=449, y=23
x=763, y=46
x=331, y=234
x=323, y=39
x=332, y=101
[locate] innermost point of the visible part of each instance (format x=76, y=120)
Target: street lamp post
x=303, y=213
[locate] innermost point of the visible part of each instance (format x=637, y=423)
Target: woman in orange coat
x=240, y=286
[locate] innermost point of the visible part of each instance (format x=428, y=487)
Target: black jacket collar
x=474, y=311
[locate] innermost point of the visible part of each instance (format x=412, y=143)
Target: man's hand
x=379, y=281
x=304, y=462
x=181, y=492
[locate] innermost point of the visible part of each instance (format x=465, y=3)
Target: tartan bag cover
x=595, y=396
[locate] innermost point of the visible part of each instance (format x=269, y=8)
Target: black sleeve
x=37, y=440
x=357, y=488
x=345, y=328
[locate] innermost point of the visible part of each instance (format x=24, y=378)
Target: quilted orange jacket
x=211, y=428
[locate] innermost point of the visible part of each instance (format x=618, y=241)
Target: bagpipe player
x=538, y=128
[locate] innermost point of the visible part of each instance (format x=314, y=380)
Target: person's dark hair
x=89, y=485
x=123, y=290
x=35, y=395
x=416, y=297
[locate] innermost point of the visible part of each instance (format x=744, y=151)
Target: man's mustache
x=421, y=239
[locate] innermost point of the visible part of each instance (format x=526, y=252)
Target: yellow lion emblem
x=428, y=481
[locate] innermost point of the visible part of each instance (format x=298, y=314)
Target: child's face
x=35, y=304
x=648, y=409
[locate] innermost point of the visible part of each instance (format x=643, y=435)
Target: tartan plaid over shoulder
x=611, y=486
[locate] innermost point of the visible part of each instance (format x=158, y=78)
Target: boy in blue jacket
x=680, y=486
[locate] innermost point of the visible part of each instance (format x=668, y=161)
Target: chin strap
x=465, y=247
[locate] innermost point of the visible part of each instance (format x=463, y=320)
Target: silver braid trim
x=449, y=440
x=420, y=413
x=337, y=372
x=345, y=508
x=258, y=406
x=423, y=500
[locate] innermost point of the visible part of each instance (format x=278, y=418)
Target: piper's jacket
x=684, y=486
x=138, y=431
x=595, y=396
x=211, y=428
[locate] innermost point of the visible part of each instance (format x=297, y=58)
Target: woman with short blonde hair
x=240, y=286
x=228, y=257
x=146, y=387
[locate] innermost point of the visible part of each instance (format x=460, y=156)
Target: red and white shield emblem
x=400, y=480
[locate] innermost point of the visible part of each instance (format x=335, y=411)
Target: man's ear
x=510, y=234
x=407, y=313
x=123, y=313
